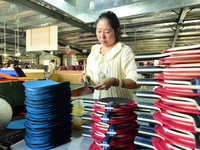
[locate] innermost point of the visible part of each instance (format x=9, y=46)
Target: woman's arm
x=129, y=68
x=129, y=84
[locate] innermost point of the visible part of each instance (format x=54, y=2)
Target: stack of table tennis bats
x=175, y=123
x=114, y=123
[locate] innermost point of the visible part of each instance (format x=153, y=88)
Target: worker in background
x=12, y=62
x=52, y=66
x=111, y=64
x=26, y=65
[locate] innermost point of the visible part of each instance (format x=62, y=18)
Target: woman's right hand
x=104, y=84
x=81, y=78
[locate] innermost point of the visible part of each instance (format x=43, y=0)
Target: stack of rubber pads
x=114, y=125
x=48, y=117
x=175, y=124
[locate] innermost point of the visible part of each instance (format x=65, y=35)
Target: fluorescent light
x=17, y=54
x=124, y=35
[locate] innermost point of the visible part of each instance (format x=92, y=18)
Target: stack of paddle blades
x=114, y=125
x=48, y=117
x=175, y=124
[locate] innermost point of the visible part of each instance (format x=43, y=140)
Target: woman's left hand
x=104, y=84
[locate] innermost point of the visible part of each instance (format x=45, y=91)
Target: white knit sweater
x=119, y=62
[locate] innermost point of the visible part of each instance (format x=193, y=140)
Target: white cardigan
x=119, y=62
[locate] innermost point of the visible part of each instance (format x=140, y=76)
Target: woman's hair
x=113, y=21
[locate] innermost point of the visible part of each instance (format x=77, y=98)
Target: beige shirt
x=52, y=67
x=119, y=62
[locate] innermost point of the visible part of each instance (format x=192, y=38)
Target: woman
x=111, y=64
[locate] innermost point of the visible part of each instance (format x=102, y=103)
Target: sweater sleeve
x=128, y=63
x=89, y=66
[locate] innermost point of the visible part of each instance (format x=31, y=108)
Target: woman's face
x=105, y=33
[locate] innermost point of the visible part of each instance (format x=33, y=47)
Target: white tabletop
x=77, y=143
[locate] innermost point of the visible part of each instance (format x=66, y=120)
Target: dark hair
x=11, y=56
x=113, y=21
x=52, y=60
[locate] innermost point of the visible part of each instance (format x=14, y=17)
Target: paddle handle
x=144, y=142
x=85, y=74
x=147, y=130
x=84, y=65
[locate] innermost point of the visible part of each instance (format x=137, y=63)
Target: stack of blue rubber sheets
x=48, y=117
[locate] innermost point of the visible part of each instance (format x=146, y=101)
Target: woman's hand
x=81, y=78
x=104, y=84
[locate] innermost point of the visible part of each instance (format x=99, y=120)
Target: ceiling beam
x=11, y=31
x=12, y=43
x=2, y=49
x=179, y=24
x=53, y=14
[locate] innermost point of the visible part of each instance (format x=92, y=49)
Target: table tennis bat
x=192, y=120
x=191, y=103
x=86, y=125
x=88, y=100
x=85, y=89
x=185, y=65
x=170, y=83
x=162, y=144
x=175, y=92
x=107, y=140
x=82, y=91
x=114, y=129
x=145, y=117
x=158, y=69
x=183, y=73
x=103, y=109
x=87, y=133
x=111, y=129
x=147, y=105
x=158, y=92
x=179, y=62
x=156, y=55
x=182, y=77
x=148, y=131
x=175, y=134
x=175, y=123
x=100, y=146
x=144, y=142
x=117, y=101
x=181, y=103
x=176, y=137
x=181, y=56
x=16, y=124
x=158, y=118
x=182, y=48
x=178, y=108
x=114, y=118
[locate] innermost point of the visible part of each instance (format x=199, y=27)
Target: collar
x=109, y=55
